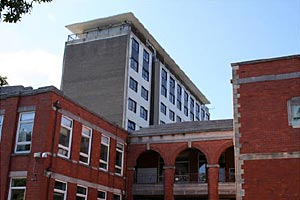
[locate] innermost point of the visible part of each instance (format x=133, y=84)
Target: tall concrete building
x=115, y=67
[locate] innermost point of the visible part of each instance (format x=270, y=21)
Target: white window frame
x=122, y=161
x=293, y=104
x=70, y=138
x=103, y=161
x=64, y=192
x=118, y=195
x=90, y=141
x=82, y=195
x=1, y=125
x=18, y=131
x=104, y=193
x=16, y=187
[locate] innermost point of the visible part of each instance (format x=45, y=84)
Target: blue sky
x=202, y=36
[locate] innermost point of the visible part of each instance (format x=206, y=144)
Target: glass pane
x=1, y=119
x=23, y=147
x=64, y=137
x=84, y=146
x=119, y=159
x=119, y=146
x=25, y=132
x=104, y=151
x=17, y=194
x=65, y=121
x=62, y=152
x=18, y=182
x=60, y=185
x=117, y=197
x=103, y=165
x=80, y=198
x=81, y=190
x=101, y=195
x=83, y=159
x=58, y=196
x=86, y=131
x=118, y=171
x=104, y=140
x=27, y=116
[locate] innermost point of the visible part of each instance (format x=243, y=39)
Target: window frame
x=108, y=146
x=145, y=93
x=132, y=105
x=122, y=158
x=132, y=123
x=18, y=131
x=172, y=115
x=292, y=105
x=17, y=187
x=89, y=148
x=104, y=193
x=134, y=64
x=82, y=195
x=59, y=190
x=68, y=149
x=133, y=84
x=117, y=195
x=143, y=113
x=163, y=108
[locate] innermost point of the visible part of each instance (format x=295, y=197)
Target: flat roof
x=129, y=18
x=266, y=60
x=185, y=127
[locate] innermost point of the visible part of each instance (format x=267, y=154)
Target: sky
x=203, y=37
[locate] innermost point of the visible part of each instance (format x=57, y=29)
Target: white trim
x=68, y=149
x=122, y=161
x=104, y=193
x=108, y=146
x=82, y=195
x=64, y=192
x=90, y=141
x=16, y=187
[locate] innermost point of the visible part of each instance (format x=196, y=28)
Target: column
x=130, y=181
x=169, y=172
x=213, y=181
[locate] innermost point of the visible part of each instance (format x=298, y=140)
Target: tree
x=11, y=11
x=3, y=80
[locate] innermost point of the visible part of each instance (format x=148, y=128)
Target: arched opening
x=226, y=162
x=190, y=166
x=149, y=168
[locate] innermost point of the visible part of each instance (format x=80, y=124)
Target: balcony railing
x=191, y=178
x=144, y=178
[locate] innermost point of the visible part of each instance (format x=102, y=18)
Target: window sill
x=21, y=154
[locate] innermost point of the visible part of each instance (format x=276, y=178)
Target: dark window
x=207, y=116
x=130, y=125
x=172, y=90
x=163, y=108
x=134, y=65
x=144, y=113
x=117, y=197
x=145, y=73
x=178, y=119
x=197, y=112
x=135, y=50
x=202, y=114
x=179, y=96
x=191, y=109
x=133, y=84
x=131, y=105
x=163, y=83
x=162, y=122
x=144, y=93
x=171, y=115
x=186, y=111
x=186, y=99
x=191, y=116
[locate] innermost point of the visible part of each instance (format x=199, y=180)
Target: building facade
x=266, y=97
x=119, y=58
x=53, y=148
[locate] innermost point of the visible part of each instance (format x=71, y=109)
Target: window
x=178, y=119
x=117, y=197
x=163, y=108
x=186, y=99
x=133, y=84
x=1, y=124
x=145, y=72
x=162, y=122
x=163, y=83
x=207, y=116
x=104, y=152
x=85, y=145
x=171, y=115
x=65, y=135
x=24, y=133
x=191, y=116
x=101, y=195
x=144, y=113
x=197, y=112
x=294, y=112
x=81, y=193
x=172, y=90
x=179, y=96
x=144, y=93
x=119, y=159
x=202, y=114
x=60, y=190
x=130, y=126
x=17, y=188
x=191, y=109
x=135, y=50
x=134, y=65
x=131, y=105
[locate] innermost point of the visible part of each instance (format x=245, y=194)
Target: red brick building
x=52, y=148
x=266, y=96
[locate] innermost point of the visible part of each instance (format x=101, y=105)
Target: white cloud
x=35, y=68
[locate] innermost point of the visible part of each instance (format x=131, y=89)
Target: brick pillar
x=169, y=172
x=213, y=181
x=130, y=181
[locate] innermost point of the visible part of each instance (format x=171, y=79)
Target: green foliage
x=3, y=80
x=11, y=11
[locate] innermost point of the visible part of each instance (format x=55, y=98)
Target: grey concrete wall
x=155, y=93
x=94, y=75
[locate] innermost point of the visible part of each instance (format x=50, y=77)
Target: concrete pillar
x=169, y=173
x=213, y=181
x=130, y=181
